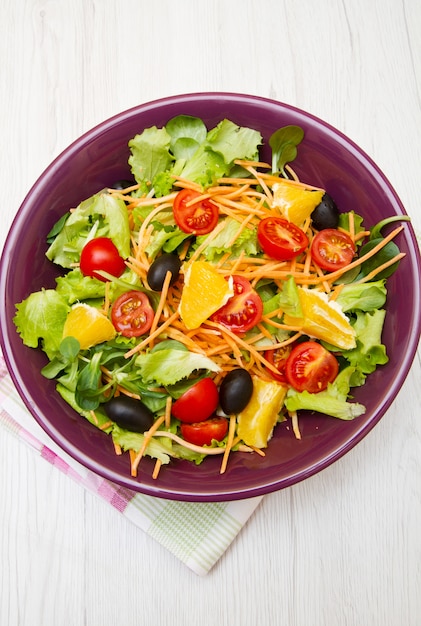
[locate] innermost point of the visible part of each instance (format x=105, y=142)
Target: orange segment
x=323, y=319
x=295, y=203
x=204, y=292
x=88, y=325
x=257, y=421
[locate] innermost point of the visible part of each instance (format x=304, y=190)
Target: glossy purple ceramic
x=326, y=158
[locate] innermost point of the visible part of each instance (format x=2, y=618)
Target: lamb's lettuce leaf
x=362, y=296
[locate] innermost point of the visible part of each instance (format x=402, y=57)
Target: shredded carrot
x=161, y=302
x=157, y=468
x=140, y=346
x=117, y=448
x=147, y=438
x=295, y=427
x=246, y=200
x=168, y=412
x=230, y=439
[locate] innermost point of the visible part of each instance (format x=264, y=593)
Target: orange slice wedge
x=204, y=292
x=257, y=421
x=88, y=325
x=323, y=319
x=295, y=203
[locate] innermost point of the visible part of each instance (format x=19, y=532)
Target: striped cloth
x=197, y=533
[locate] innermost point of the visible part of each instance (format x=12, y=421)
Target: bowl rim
x=80, y=143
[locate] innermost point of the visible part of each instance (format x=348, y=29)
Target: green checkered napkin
x=197, y=533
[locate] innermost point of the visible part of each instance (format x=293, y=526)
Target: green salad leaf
x=101, y=215
x=166, y=367
x=284, y=142
x=370, y=352
x=246, y=242
x=186, y=148
x=332, y=401
x=40, y=318
x=362, y=296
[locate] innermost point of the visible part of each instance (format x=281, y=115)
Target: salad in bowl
x=210, y=297
x=213, y=311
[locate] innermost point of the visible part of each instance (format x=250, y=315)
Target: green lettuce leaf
x=157, y=448
x=150, y=154
x=166, y=367
x=74, y=286
x=101, y=215
x=289, y=298
x=204, y=167
x=370, y=352
x=234, y=142
x=187, y=134
x=219, y=245
x=40, y=318
x=332, y=401
x=364, y=297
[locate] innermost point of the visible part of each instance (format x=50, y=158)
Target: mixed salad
x=210, y=296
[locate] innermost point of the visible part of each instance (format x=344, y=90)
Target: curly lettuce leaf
x=234, y=142
x=246, y=242
x=369, y=352
x=74, y=286
x=150, y=154
x=40, y=319
x=157, y=448
x=184, y=147
x=101, y=215
x=332, y=401
x=166, y=367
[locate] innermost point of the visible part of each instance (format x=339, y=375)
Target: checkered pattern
x=197, y=533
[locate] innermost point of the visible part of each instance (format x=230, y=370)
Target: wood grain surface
x=341, y=548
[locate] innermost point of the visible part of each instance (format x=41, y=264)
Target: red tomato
x=132, y=314
x=202, y=433
x=197, y=403
x=281, y=239
x=101, y=254
x=198, y=218
x=310, y=367
x=332, y=249
x=243, y=310
x=278, y=358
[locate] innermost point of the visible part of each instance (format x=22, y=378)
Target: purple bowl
x=97, y=159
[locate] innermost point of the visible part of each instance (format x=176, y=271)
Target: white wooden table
x=342, y=548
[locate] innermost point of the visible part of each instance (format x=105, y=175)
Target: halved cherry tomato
x=197, y=403
x=278, y=358
x=198, y=218
x=132, y=314
x=101, y=254
x=281, y=239
x=202, y=433
x=310, y=367
x=243, y=310
x=332, y=249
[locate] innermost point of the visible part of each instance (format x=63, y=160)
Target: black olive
x=159, y=268
x=235, y=391
x=123, y=184
x=326, y=214
x=129, y=413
